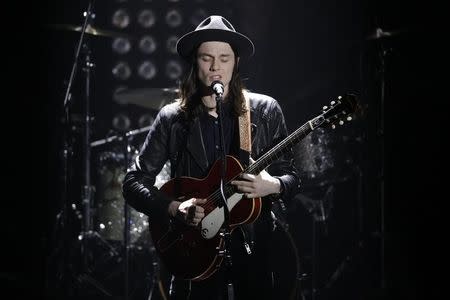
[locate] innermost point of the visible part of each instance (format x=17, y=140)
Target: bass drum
x=110, y=216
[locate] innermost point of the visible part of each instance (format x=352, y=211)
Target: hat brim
x=190, y=41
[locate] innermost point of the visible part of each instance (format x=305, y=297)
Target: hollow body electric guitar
x=196, y=252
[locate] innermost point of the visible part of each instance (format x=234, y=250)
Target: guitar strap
x=245, y=136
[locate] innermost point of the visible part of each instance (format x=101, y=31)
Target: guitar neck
x=284, y=146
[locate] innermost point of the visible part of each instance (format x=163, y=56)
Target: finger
x=245, y=189
x=249, y=177
x=199, y=215
x=196, y=220
x=199, y=201
x=242, y=183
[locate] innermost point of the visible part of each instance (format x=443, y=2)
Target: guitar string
x=212, y=199
x=291, y=140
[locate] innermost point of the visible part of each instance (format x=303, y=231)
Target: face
x=215, y=61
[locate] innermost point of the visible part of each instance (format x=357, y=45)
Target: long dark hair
x=191, y=102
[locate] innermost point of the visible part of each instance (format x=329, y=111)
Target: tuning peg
x=349, y=118
x=341, y=122
x=332, y=102
x=325, y=107
x=333, y=126
x=339, y=97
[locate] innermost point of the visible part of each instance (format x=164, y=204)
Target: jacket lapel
x=195, y=145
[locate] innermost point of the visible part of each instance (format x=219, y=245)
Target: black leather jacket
x=174, y=139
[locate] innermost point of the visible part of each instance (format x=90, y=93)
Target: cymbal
x=153, y=98
x=380, y=34
x=89, y=30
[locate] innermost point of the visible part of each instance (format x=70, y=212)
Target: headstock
x=340, y=110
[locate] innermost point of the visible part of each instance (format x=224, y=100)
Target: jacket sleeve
x=138, y=185
x=283, y=168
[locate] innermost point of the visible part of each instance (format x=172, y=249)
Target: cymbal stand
x=62, y=216
x=87, y=189
x=88, y=234
x=382, y=53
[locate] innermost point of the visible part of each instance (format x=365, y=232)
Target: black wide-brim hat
x=215, y=28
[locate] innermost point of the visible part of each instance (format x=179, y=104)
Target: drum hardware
x=116, y=220
x=87, y=237
x=120, y=137
x=279, y=218
x=319, y=209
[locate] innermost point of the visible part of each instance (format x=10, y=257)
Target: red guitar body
x=182, y=248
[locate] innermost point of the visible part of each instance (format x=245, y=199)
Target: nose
x=214, y=65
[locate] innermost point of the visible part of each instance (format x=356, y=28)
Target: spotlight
x=173, y=69
x=171, y=44
x=121, y=122
x=121, y=45
x=121, y=18
x=147, y=70
x=198, y=16
x=145, y=120
x=173, y=18
x=146, y=18
x=147, y=44
x=121, y=70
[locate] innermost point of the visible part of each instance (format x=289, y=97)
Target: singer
x=186, y=133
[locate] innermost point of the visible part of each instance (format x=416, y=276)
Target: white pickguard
x=214, y=220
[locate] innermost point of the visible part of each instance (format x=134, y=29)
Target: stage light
x=147, y=44
x=145, y=120
x=121, y=122
x=146, y=18
x=121, y=18
x=122, y=70
x=147, y=70
x=174, y=18
x=121, y=45
x=173, y=69
x=171, y=44
x=198, y=16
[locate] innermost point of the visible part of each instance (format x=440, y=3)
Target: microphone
x=217, y=87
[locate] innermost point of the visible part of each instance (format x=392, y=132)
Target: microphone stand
x=126, y=232
x=225, y=232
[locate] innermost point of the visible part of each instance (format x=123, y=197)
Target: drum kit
x=107, y=221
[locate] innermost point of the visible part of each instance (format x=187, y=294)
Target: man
x=187, y=134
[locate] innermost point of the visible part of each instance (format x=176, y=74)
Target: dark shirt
x=211, y=133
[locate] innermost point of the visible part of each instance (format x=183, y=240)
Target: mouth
x=215, y=77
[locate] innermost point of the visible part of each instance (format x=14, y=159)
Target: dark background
x=307, y=53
